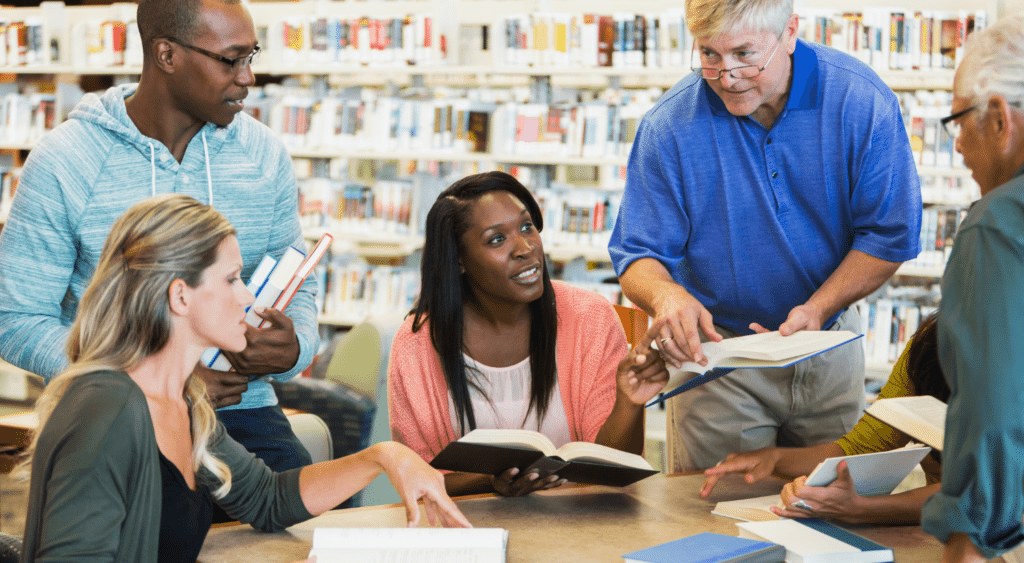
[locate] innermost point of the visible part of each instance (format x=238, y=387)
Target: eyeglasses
x=237, y=65
x=950, y=122
x=740, y=72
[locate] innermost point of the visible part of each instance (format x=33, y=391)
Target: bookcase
x=518, y=85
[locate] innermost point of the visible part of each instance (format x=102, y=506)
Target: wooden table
x=573, y=523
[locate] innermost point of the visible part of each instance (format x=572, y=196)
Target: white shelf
x=448, y=156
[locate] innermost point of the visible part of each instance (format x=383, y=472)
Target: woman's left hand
x=838, y=500
x=642, y=373
x=415, y=480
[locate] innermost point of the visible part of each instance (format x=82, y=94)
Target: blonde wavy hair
x=124, y=315
x=710, y=18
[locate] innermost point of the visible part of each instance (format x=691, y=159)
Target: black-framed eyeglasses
x=237, y=65
x=739, y=72
x=950, y=123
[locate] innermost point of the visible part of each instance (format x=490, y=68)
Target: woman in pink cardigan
x=494, y=343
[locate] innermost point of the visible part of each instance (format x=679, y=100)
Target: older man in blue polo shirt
x=770, y=189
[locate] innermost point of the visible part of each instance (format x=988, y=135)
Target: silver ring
x=664, y=340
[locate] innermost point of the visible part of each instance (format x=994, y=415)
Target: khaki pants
x=812, y=402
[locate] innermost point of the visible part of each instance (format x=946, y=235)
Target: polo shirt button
x=775, y=174
x=769, y=140
x=163, y=157
x=184, y=179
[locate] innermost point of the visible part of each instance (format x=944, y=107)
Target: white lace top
x=509, y=391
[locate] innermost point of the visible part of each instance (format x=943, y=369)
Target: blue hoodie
x=87, y=172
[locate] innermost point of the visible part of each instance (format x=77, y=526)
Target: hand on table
x=755, y=465
x=415, y=480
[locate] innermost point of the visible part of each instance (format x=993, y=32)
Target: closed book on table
x=815, y=541
x=709, y=547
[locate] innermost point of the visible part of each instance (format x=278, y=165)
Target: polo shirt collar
x=804, y=91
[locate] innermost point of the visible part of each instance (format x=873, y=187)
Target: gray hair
x=709, y=18
x=994, y=63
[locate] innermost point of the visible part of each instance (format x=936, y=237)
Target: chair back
x=356, y=361
x=634, y=322
x=314, y=434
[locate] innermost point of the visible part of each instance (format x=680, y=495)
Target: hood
x=107, y=111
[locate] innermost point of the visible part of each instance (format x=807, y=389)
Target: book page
x=767, y=349
x=586, y=451
x=922, y=418
x=750, y=509
x=409, y=545
x=519, y=438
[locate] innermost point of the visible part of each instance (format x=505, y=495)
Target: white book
x=922, y=418
x=876, y=473
x=279, y=277
x=437, y=545
x=764, y=350
x=816, y=541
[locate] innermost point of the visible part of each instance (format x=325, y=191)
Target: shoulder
x=576, y=304
x=1001, y=211
x=256, y=138
x=844, y=77
x=681, y=102
x=103, y=407
x=409, y=346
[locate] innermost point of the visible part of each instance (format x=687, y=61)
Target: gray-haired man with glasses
x=977, y=512
x=181, y=129
x=770, y=189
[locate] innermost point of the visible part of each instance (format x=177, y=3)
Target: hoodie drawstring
x=209, y=178
x=152, y=164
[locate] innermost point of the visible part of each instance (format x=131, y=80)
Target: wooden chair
x=634, y=322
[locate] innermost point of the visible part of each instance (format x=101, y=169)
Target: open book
x=493, y=451
x=876, y=473
x=764, y=350
x=438, y=545
x=922, y=418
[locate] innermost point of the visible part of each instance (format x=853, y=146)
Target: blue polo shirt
x=752, y=221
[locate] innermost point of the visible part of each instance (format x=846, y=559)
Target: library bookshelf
x=426, y=56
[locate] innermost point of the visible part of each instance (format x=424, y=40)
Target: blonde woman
x=130, y=458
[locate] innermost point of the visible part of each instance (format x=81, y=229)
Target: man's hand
x=272, y=349
x=801, y=317
x=224, y=388
x=684, y=319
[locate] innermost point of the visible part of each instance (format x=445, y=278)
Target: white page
x=401, y=545
x=875, y=473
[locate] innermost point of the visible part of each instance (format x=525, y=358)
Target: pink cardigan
x=590, y=345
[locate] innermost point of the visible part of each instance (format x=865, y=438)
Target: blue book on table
x=709, y=547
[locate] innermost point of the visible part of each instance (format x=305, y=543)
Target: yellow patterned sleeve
x=870, y=435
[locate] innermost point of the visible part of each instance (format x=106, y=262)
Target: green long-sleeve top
x=871, y=435
x=981, y=352
x=95, y=493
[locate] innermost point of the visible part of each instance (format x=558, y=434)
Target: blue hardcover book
x=764, y=350
x=709, y=547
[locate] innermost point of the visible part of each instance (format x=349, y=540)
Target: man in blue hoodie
x=182, y=130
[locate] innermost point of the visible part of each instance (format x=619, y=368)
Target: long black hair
x=923, y=367
x=444, y=288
